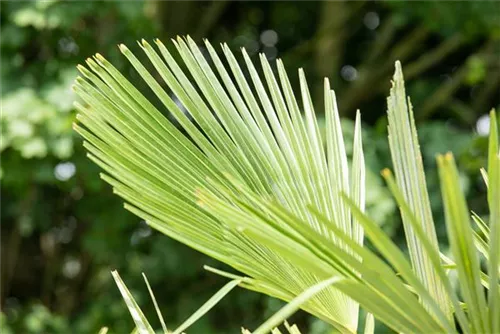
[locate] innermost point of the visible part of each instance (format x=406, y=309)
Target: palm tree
x=240, y=172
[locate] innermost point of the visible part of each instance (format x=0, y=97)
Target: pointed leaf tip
x=103, y=330
x=123, y=48
x=100, y=57
x=78, y=80
x=398, y=73
x=386, y=172
x=83, y=70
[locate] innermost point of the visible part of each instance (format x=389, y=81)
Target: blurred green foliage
x=63, y=231
x=473, y=19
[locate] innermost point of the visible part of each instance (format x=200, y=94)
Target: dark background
x=62, y=230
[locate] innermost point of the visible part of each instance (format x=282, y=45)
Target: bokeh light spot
x=64, y=171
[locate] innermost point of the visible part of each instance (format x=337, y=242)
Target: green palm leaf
x=409, y=170
x=494, y=235
x=239, y=171
x=233, y=140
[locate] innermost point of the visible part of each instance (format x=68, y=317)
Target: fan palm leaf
x=233, y=140
x=238, y=170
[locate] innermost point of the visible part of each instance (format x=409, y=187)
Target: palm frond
x=408, y=165
x=262, y=143
x=247, y=179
